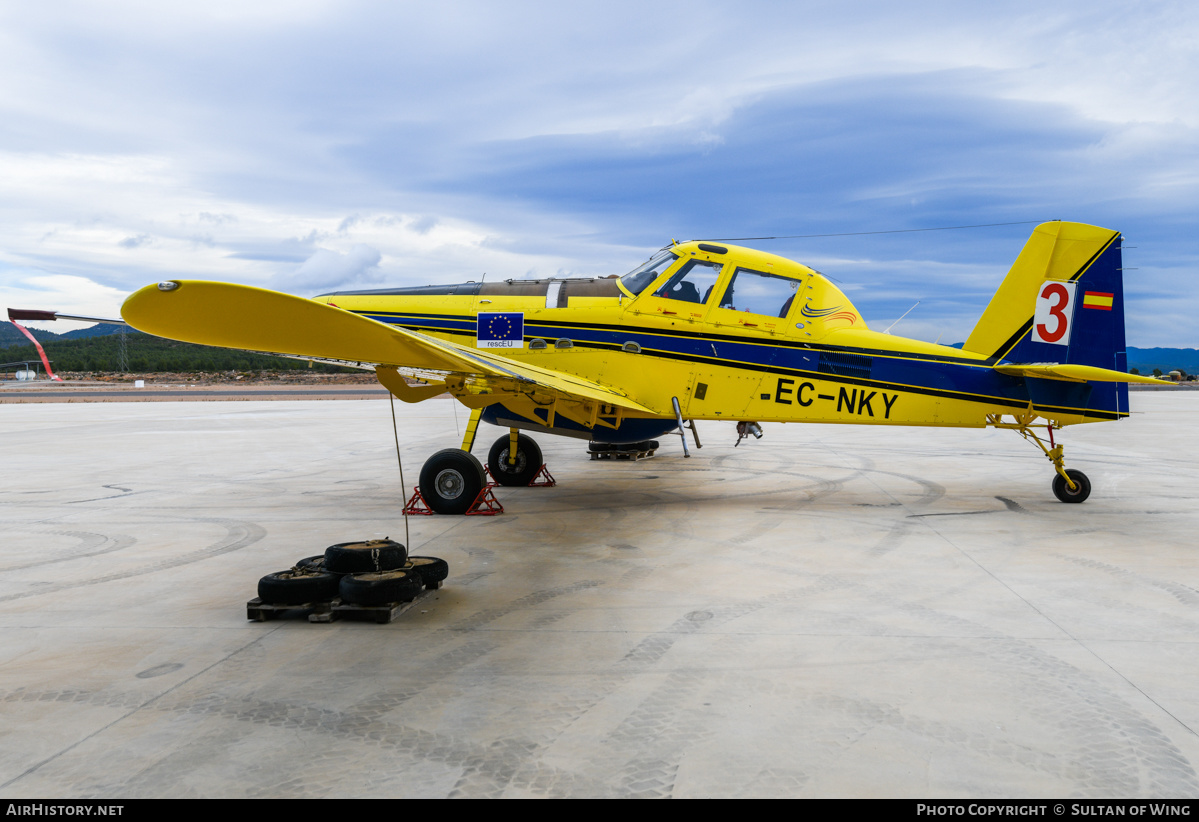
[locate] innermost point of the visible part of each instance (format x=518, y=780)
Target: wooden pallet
x=259, y=611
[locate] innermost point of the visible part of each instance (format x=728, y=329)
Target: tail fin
x=1062, y=302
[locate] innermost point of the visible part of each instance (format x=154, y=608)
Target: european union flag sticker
x=501, y=329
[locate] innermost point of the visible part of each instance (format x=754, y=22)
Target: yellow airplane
x=701, y=331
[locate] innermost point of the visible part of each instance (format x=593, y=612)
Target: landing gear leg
x=1070, y=484
x=472, y=426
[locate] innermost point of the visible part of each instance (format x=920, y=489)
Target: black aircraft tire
x=429, y=569
x=316, y=563
x=450, y=480
x=372, y=555
x=380, y=588
x=1062, y=491
x=297, y=588
x=528, y=461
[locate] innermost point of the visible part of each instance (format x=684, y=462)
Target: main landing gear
x=517, y=465
x=1070, y=484
x=452, y=481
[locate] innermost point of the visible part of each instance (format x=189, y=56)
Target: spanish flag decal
x=1097, y=299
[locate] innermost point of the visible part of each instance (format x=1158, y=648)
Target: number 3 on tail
x=1054, y=312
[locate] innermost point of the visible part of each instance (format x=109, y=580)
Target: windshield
x=639, y=278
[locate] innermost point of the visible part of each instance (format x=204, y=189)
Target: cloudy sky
x=309, y=146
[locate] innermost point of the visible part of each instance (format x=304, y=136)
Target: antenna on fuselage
x=901, y=316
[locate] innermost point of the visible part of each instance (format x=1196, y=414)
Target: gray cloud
x=327, y=269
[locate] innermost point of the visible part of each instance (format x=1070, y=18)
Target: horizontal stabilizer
x=1075, y=373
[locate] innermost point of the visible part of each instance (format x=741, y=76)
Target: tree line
x=147, y=354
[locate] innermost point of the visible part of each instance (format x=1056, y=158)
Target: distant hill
x=97, y=330
x=9, y=335
x=1167, y=359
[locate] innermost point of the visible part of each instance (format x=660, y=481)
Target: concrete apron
x=830, y=611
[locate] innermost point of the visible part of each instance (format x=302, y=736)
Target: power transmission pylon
x=122, y=350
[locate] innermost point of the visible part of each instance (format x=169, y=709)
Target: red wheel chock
x=485, y=504
x=417, y=504
x=544, y=479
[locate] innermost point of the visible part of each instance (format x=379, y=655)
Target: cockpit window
x=692, y=283
x=639, y=278
x=758, y=293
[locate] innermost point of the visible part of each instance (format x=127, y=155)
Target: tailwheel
x=518, y=472
x=1063, y=491
x=1054, y=452
x=450, y=480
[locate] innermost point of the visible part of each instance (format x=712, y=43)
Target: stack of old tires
x=374, y=572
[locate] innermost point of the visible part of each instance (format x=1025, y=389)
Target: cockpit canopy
x=752, y=286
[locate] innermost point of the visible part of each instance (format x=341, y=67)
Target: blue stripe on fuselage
x=890, y=370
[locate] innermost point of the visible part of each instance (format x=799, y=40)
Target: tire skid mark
x=788, y=497
x=1110, y=767
x=654, y=647
x=647, y=746
x=88, y=541
x=1105, y=767
x=494, y=761
x=483, y=776
x=846, y=720
x=241, y=535
x=125, y=492
x=932, y=491
x=481, y=618
x=1183, y=593
x=1112, y=708
x=1095, y=715
x=638, y=776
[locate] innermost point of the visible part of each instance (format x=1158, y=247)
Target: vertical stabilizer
x=1061, y=302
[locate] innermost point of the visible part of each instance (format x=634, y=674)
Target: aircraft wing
x=256, y=319
x=1074, y=373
